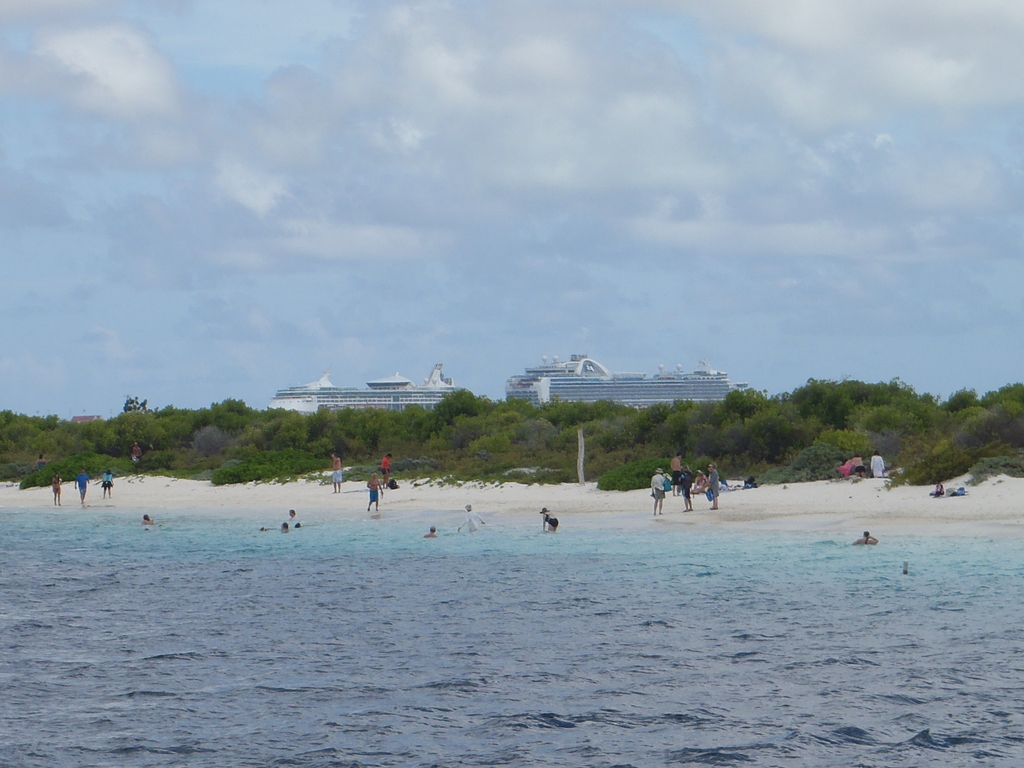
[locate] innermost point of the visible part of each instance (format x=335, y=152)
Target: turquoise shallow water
x=204, y=642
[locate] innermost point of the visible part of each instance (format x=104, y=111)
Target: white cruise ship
x=586, y=380
x=391, y=393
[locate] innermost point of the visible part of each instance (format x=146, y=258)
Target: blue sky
x=202, y=199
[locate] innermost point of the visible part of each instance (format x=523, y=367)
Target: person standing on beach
x=82, y=481
x=55, y=485
x=41, y=461
x=473, y=520
x=877, y=465
x=374, y=485
x=685, y=482
x=714, y=484
x=658, y=490
x=336, y=474
x=108, y=484
x=677, y=473
x=136, y=453
x=385, y=470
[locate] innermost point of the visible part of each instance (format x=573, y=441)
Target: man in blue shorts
x=82, y=481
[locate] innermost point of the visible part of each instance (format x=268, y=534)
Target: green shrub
x=1011, y=466
x=94, y=464
x=630, y=477
x=818, y=462
x=16, y=470
x=849, y=440
x=946, y=461
x=270, y=465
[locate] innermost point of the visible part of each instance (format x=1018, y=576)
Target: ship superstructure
x=582, y=378
x=393, y=393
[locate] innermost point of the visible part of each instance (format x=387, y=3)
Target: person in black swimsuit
x=548, y=523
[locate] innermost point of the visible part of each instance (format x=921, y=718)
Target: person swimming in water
x=867, y=538
x=147, y=520
x=292, y=519
x=431, y=534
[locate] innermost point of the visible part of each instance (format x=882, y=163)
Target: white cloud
x=331, y=240
x=256, y=190
x=114, y=70
x=21, y=9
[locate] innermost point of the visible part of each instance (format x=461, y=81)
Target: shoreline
x=841, y=508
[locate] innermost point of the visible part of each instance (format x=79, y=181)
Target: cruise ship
x=584, y=379
x=392, y=393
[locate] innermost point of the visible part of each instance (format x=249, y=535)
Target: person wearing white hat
x=473, y=520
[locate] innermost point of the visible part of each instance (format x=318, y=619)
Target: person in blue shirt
x=108, y=484
x=82, y=481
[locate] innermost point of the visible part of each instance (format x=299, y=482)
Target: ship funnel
x=661, y=366
x=544, y=358
x=679, y=367
x=555, y=358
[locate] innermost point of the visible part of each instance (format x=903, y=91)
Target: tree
x=132, y=405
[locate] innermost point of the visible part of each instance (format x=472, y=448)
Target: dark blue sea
x=207, y=643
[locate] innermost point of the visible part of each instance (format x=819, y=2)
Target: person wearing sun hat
x=658, y=490
x=473, y=520
x=548, y=523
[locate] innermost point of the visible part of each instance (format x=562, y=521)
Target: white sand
x=840, y=508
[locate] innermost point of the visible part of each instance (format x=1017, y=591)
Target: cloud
x=114, y=71
x=24, y=9
x=823, y=62
x=254, y=189
x=329, y=240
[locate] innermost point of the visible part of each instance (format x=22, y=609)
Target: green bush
x=17, y=469
x=270, y=465
x=1011, y=466
x=94, y=464
x=630, y=477
x=946, y=461
x=818, y=462
x=849, y=440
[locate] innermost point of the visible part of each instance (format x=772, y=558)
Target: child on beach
x=55, y=485
x=108, y=484
x=374, y=486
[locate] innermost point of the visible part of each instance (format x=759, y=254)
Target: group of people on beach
x=854, y=467
x=683, y=482
x=82, y=483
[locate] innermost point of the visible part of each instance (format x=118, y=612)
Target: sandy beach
x=841, y=508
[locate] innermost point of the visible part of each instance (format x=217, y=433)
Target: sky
x=210, y=199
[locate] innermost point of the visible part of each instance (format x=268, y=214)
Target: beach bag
x=710, y=495
x=667, y=485
x=392, y=484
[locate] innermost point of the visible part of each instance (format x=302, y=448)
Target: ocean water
x=206, y=643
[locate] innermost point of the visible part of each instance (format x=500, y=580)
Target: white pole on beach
x=579, y=455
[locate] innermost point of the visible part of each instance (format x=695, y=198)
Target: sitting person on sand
x=867, y=538
x=431, y=534
x=858, y=466
x=700, y=483
x=939, y=491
